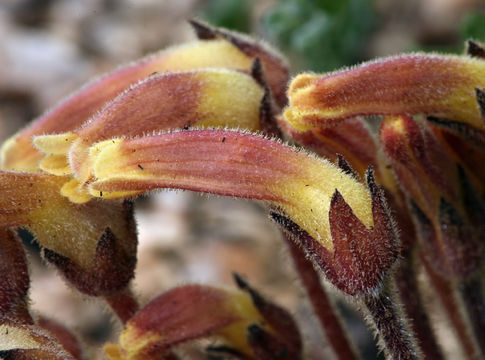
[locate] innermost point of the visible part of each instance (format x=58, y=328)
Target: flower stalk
x=406, y=283
x=123, y=303
x=395, y=335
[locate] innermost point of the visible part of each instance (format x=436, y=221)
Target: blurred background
x=48, y=48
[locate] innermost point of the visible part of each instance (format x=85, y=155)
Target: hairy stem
x=323, y=308
x=123, y=304
x=395, y=336
x=405, y=279
x=447, y=296
x=472, y=292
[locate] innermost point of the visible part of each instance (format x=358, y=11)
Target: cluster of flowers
x=214, y=116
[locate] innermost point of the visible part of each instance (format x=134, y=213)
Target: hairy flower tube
x=238, y=317
x=299, y=186
x=215, y=49
x=93, y=243
x=446, y=206
x=443, y=86
x=203, y=98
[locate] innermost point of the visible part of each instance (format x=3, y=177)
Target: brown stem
x=405, y=279
x=395, y=337
x=123, y=304
x=447, y=296
x=472, y=292
x=322, y=306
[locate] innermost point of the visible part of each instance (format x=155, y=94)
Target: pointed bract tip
x=113, y=267
x=240, y=282
x=267, y=346
x=203, y=30
x=257, y=72
x=475, y=49
x=480, y=95
x=371, y=181
x=345, y=166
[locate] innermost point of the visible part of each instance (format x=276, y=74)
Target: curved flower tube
x=84, y=239
x=445, y=86
x=194, y=311
x=303, y=188
x=201, y=98
x=447, y=208
x=233, y=164
x=229, y=51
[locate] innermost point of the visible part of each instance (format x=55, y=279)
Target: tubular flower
x=229, y=163
x=352, y=140
x=81, y=237
x=216, y=49
x=238, y=317
x=307, y=190
x=443, y=86
x=203, y=98
x=446, y=205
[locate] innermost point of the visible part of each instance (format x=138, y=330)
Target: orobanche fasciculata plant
x=368, y=208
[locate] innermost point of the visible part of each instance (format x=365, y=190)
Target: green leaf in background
x=321, y=34
x=230, y=14
x=473, y=26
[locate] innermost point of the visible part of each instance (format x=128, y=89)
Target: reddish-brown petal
x=233, y=164
x=184, y=314
x=438, y=85
x=446, y=205
x=202, y=98
x=18, y=152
